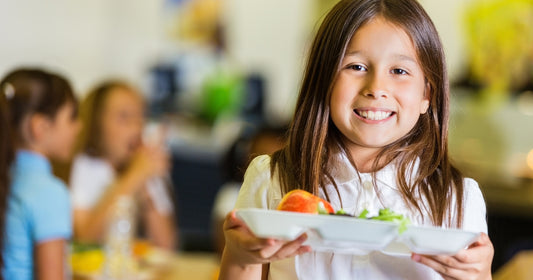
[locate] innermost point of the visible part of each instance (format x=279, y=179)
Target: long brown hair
x=313, y=139
x=35, y=91
x=6, y=157
x=91, y=111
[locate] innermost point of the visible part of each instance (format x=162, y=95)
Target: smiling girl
x=369, y=132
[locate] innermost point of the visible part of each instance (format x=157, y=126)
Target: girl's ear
x=38, y=126
x=424, y=105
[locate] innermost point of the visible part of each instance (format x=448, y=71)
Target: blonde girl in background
x=42, y=113
x=114, y=162
x=369, y=132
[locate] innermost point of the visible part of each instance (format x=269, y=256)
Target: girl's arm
x=472, y=263
x=244, y=254
x=89, y=225
x=50, y=260
x=160, y=227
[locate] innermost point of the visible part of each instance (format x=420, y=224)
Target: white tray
x=351, y=235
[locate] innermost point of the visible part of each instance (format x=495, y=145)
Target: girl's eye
x=357, y=67
x=399, y=71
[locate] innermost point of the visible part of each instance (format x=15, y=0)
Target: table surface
x=180, y=265
x=192, y=266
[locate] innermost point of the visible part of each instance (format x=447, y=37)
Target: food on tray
x=356, y=235
x=304, y=202
x=389, y=216
x=384, y=214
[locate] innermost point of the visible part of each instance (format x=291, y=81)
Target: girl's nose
x=376, y=86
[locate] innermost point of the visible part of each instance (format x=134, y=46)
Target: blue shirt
x=38, y=210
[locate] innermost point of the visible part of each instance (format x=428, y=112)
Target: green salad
x=384, y=214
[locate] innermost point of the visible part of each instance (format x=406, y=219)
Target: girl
x=42, y=114
x=113, y=163
x=369, y=132
x=6, y=156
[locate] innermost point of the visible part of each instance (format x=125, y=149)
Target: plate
x=437, y=241
x=342, y=234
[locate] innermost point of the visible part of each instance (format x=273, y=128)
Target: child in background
x=369, y=132
x=114, y=162
x=42, y=113
x=265, y=140
x=6, y=157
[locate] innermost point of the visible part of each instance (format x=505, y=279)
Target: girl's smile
x=380, y=90
x=373, y=115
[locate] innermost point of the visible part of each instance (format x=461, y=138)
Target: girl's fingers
x=450, y=261
x=443, y=269
x=267, y=252
x=259, y=250
x=479, y=253
x=246, y=238
x=287, y=249
x=302, y=250
x=475, y=260
x=252, y=243
x=232, y=221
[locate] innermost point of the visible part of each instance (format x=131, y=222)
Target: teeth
x=375, y=115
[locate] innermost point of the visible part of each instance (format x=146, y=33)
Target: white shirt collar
x=344, y=172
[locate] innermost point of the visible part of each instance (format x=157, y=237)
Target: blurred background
x=218, y=71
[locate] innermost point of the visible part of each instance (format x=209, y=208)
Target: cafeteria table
x=173, y=266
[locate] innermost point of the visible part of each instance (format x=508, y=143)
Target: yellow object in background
x=499, y=37
x=88, y=261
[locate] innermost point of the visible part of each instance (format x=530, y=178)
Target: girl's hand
x=243, y=248
x=472, y=263
x=148, y=162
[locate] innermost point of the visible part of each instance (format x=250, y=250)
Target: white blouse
x=261, y=190
x=91, y=177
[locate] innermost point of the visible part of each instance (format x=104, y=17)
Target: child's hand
x=150, y=162
x=243, y=248
x=472, y=263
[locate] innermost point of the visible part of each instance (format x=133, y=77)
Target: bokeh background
x=215, y=71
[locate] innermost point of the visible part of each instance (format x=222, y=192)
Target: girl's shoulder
x=470, y=183
x=258, y=171
x=259, y=189
x=474, y=207
x=32, y=177
x=472, y=190
x=40, y=195
x=260, y=163
x=48, y=188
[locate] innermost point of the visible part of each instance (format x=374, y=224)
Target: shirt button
x=368, y=185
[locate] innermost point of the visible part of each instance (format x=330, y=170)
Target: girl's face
x=122, y=123
x=62, y=133
x=380, y=90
